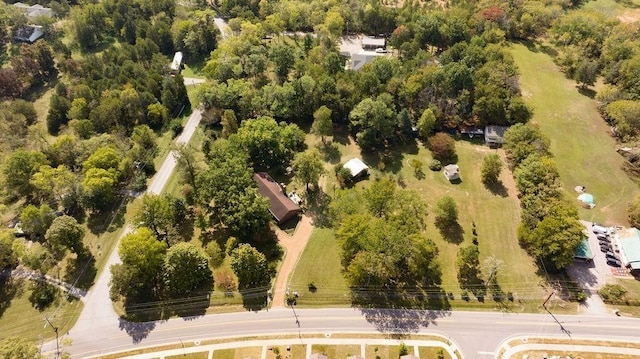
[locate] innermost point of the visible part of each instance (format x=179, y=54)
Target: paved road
x=478, y=334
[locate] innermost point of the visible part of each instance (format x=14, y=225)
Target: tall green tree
x=229, y=123
x=8, y=257
x=185, y=269
x=308, y=167
x=491, y=168
x=250, y=266
x=66, y=232
x=36, y=221
x=18, y=348
x=521, y=140
x=322, y=124
x=142, y=258
x=469, y=274
x=154, y=212
x=373, y=123
x=19, y=168
x=446, y=212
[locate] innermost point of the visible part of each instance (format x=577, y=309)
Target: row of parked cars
x=604, y=239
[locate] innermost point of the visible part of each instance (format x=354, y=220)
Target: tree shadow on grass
x=585, y=91
x=452, y=233
x=341, y=134
x=402, y=311
x=319, y=202
x=497, y=188
x=81, y=271
x=254, y=299
x=9, y=288
x=108, y=219
x=330, y=152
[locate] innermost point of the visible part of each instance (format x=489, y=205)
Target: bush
x=613, y=293
x=402, y=349
x=175, y=126
x=43, y=294
x=442, y=146
x=231, y=244
x=435, y=165
x=216, y=255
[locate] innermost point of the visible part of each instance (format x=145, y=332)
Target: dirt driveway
x=293, y=245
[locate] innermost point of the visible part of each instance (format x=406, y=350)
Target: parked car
x=604, y=242
x=597, y=229
x=380, y=50
x=613, y=262
x=610, y=255
x=605, y=249
x=602, y=237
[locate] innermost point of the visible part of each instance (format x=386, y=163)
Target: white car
x=381, y=50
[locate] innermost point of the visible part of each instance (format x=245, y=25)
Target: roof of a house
x=584, y=250
x=496, y=132
x=356, y=166
x=630, y=241
x=34, y=10
x=280, y=206
x=318, y=356
x=361, y=59
x=371, y=41
x=28, y=33
x=452, y=168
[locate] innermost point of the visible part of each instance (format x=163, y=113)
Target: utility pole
x=55, y=329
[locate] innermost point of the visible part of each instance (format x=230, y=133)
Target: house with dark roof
x=28, y=33
x=494, y=135
x=281, y=207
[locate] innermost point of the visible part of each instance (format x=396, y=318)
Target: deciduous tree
x=322, y=124
x=446, y=212
x=491, y=168
x=442, y=147
x=185, y=269
x=19, y=168
x=36, y=221
x=65, y=232
x=250, y=266
x=308, y=167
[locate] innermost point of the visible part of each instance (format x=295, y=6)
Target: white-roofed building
x=356, y=167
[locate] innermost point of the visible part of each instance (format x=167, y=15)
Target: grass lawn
x=336, y=351
x=238, y=353
x=296, y=351
x=580, y=140
x=200, y=355
x=320, y=264
x=383, y=351
x=496, y=217
x=613, y=8
x=573, y=354
x=21, y=319
x=432, y=352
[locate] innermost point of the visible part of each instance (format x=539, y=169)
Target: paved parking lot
x=595, y=274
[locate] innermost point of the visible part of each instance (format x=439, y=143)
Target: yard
x=580, y=138
x=318, y=277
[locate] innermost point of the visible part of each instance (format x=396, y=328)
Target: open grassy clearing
x=383, y=351
x=495, y=214
x=580, y=139
x=238, y=353
x=623, y=9
x=201, y=355
x=21, y=319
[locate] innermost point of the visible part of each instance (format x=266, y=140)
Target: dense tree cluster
x=381, y=232
x=550, y=230
x=151, y=270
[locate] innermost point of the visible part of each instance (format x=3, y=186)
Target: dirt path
x=294, y=245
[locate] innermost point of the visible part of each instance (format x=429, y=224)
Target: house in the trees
x=494, y=135
x=357, y=168
x=281, y=207
x=452, y=172
x=33, y=11
x=371, y=43
x=28, y=33
x=176, y=64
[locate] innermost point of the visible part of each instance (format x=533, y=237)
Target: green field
x=611, y=8
x=580, y=138
x=495, y=214
x=336, y=351
x=21, y=319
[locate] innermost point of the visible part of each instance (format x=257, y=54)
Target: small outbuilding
x=34, y=11
x=176, y=64
x=372, y=43
x=586, y=200
x=281, y=207
x=452, y=172
x=356, y=167
x=28, y=33
x=583, y=252
x=494, y=135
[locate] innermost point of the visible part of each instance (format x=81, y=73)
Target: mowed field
x=495, y=214
x=580, y=138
